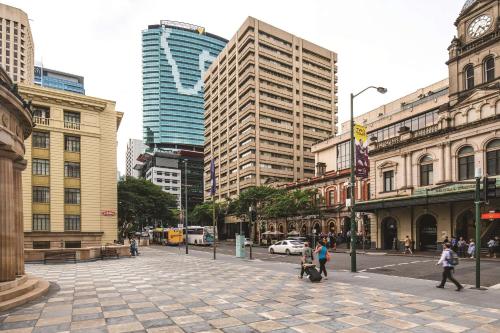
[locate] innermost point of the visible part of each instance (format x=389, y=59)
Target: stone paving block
x=311, y=328
x=267, y=325
x=447, y=327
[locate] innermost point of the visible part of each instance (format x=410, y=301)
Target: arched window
x=469, y=77
x=493, y=158
x=489, y=69
x=426, y=170
x=466, y=163
x=331, y=197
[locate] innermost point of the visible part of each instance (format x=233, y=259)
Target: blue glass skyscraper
x=175, y=57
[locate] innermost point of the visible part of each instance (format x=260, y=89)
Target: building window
x=72, y=143
x=426, y=169
x=343, y=155
x=41, y=245
x=41, y=167
x=72, y=196
x=41, y=194
x=389, y=181
x=41, y=222
x=493, y=158
x=71, y=223
x=73, y=244
x=72, y=169
x=72, y=120
x=466, y=163
x=489, y=69
x=40, y=139
x=469, y=77
x=331, y=197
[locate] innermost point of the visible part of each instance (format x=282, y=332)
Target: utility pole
x=186, y=205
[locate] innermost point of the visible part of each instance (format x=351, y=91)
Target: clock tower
x=474, y=54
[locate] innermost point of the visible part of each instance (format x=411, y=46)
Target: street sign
x=490, y=216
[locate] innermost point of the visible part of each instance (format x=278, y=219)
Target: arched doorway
x=346, y=226
x=465, y=225
x=303, y=230
x=427, y=232
x=389, y=233
x=317, y=228
x=280, y=228
x=331, y=227
x=271, y=228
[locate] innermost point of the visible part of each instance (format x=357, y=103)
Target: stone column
x=7, y=218
x=410, y=170
x=448, y=165
x=442, y=162
x=405, y=172
x=19, y=166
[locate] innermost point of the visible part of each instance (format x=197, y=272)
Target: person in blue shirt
x=321, y=250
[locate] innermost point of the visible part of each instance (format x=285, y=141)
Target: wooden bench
x=107, y=252
x=59, y=256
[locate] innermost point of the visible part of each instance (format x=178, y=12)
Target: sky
x=399, y=44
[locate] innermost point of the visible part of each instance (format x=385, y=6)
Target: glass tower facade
x=59, y=80
x=175, y=57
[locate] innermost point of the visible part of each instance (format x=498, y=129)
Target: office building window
x=389, y=181
x=72, y=169
x=72, y=143
x=71, y=223
x=493, y=158
x=72, y=196
x=343, y=155
x=41, y=194
x=426, y=169
x=41, y=222
x=466, y=163
x=41, y=167
x=40, y=139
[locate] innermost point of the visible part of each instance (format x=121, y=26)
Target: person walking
x=408, y=245
x=133, y=247
x=322, y=252
x=497, y=246
x=491, y=247
x=447, y=261
x=307, y=258
x=462, y=247
x=472, y=249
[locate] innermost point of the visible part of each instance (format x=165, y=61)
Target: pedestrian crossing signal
x=489, y=188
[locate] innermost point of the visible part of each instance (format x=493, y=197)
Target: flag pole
x=214, y=225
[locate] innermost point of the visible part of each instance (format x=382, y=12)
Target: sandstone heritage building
x=269, y=96
x=69, y=185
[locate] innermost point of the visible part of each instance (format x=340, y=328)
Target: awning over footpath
x=425, y=196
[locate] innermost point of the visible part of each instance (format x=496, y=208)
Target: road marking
x=403, y=263
x=361, y=276
x=375, y=268
x=363, y=270
x=496, y=286
x=390, y=265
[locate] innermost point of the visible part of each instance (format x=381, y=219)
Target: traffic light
x=253, y=216
x=489, y=188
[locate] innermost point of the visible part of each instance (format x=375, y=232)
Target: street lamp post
x=353, y=178
x=186, y=206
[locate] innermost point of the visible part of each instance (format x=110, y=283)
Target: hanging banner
x=362, y=166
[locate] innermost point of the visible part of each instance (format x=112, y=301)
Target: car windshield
x=296, y=243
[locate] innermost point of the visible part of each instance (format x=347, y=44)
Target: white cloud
x=398, y=44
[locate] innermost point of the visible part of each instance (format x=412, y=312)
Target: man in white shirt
x=448, y=268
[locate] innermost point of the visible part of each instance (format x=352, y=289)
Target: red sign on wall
x=108, y=213
x=490, y=216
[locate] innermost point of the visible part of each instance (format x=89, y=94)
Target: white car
x=248, y=242
x=287, y=247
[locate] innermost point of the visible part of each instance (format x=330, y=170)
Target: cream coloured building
x=69, y=185
x=16, y=44
x=269, y=96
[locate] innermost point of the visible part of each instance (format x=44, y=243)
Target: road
x=406, y=266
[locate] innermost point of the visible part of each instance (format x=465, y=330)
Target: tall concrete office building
x=135, y=148
x=175, y=57
x=269, y=96
x=16, y=44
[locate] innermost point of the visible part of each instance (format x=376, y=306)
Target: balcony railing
x=413, y=135
x=425, y=131
x=41, y=121
x=71, y=125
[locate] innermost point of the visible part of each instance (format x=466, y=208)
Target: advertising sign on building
x=362, y=166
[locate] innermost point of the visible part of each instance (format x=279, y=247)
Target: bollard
x=251, y=252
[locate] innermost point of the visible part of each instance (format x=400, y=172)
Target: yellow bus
x=175, y=237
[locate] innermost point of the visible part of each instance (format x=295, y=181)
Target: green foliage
x=141, y=199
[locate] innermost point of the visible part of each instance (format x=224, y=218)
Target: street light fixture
x=381, y=90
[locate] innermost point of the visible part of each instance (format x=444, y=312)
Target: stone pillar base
x=23, y=289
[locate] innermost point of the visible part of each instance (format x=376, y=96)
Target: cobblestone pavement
x=169, y=292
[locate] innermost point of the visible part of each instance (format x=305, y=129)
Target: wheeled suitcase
x=312, y=272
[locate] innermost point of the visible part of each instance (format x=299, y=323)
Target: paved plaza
x=164, y=290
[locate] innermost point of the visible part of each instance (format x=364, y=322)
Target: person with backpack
x=323, y=257
x=449, y=260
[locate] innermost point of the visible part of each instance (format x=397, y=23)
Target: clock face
x=480, y=25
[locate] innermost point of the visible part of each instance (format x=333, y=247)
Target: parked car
x=297, y=238
x=248, y=242
x=287, y=247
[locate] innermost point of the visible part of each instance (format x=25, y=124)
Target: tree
x=141, y=199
